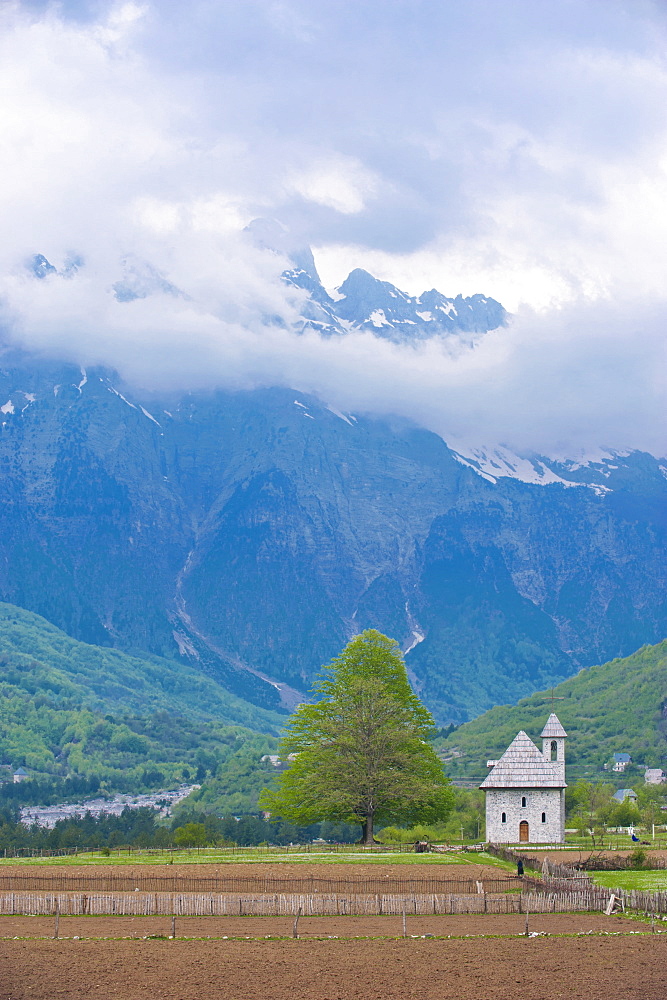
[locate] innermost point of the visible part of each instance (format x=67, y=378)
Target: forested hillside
x=127, y=722
x=620, y=706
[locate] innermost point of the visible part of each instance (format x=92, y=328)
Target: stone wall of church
x=544, y=811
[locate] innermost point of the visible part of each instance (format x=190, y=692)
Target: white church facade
x=525, y=790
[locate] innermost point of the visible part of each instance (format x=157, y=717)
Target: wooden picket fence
x=645, y=902
x=252, y=885
x=309, y=904
x=549, y=868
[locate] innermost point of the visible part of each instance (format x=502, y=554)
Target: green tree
x=625, y=813
x=360, y=754
x=592, y=804
x=191, y=835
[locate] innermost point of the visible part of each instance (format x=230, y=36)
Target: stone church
x=525, y=790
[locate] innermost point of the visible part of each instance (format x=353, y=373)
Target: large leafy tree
x=360, y=753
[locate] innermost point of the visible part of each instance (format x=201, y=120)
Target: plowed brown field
x=573, y=856
x=266, y=870
x=330, y=961
x=308, y=927
x=542, y=968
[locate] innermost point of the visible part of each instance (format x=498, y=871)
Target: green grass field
x=258, y=856
x=654, y=880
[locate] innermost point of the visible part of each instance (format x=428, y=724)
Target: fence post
x=295, y=926
x=57, y=916
x=173, y=926
x=404, y=921
x=526, y=932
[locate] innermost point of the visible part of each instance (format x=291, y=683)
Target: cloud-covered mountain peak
x=364, y=302
x=270, y=234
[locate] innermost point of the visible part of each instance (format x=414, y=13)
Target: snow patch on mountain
x=121, y=396
x=500, y=462
x=590, y=458
x=342, y=416
x=150, y=416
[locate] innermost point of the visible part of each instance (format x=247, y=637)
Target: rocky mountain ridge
x=363, y=302
x=252, y=533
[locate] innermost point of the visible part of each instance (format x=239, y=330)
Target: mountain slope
x=130, y=721
x=620, y=706
x=105, y=679
x=250, y=534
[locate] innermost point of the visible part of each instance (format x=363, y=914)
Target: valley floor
x=574, y=956
x=632, y=967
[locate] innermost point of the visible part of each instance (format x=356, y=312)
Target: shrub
x=637, y=859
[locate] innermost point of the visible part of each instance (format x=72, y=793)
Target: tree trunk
x=367, y=829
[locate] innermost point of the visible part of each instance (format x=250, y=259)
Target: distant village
x=48, y=816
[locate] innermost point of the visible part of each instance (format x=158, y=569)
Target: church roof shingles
x=523, y=766
x=553, y=729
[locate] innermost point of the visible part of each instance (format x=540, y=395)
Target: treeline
x=49, y=791
x=143, y=828
x=591, y=808
x=121, y=752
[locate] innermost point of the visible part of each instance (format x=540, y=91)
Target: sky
x=508, y=147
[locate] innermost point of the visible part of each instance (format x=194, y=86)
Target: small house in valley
x=624, y=794
x=621, y=761
x=271, y=758
x=525, y=790
x=20, y=774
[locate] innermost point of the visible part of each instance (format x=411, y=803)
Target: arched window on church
x=554, y=750
x=503, y=817
x=523, y=801
x=544, y=817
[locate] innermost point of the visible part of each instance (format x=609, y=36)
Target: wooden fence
x=645, y=902
x=549, y=868
x=229, y=850
x=61, y=880
x=309, y=904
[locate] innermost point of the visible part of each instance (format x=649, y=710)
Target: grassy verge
x=258, y=856
x=647, y=881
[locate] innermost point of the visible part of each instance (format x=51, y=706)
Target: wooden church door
x=523, y=831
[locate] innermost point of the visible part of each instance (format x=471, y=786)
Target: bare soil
x=457, y=925
x=541, y=968
x=266, y=870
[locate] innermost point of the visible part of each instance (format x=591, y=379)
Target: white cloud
x=511, y=149
x=339, y=183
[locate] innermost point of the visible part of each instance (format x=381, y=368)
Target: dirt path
x=585, y=968
x=364, y=926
